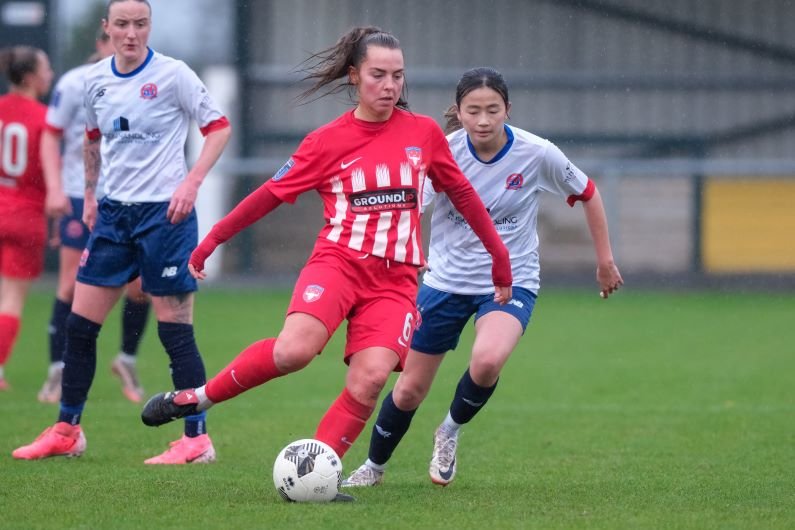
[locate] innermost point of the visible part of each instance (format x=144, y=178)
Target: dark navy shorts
x=73, y=233
x=136, y=239
x=443, y=315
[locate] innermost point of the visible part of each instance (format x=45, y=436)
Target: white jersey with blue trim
x=509, y=186
x=143, y=118
x=67, y=115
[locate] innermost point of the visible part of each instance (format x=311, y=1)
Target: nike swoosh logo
x=471, y=403
x=382, y=432
x=449, y=473
x=344, y=440
x=346, y=165
x=232, y=373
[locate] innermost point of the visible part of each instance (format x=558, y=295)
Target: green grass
x=651, y=410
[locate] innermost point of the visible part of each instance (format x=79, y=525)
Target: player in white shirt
x=139, y=105
x=66, y=121
x=508, y=167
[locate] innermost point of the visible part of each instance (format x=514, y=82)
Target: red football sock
x=9, y=328
x=253, y=367
x=343, y=422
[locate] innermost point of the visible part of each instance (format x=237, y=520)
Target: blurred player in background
x=508, y=167
x=368, y=167
x=66, y=120
x=23, y=191
x=139, y=105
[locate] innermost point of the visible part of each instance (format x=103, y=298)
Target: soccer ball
x=307, y=471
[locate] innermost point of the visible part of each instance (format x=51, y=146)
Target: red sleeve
x=215, y=125
x=443, y=169
x=53, y=129
x=251, y=209
x=467, y=201
x=447, y=174
x=585, y=196
x=302, y=172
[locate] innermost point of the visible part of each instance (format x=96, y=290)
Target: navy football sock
x=196, y=425
x=133, y=321
x=469, y=399
x=57, y=329
x=187, y=368
x=390, y=426
x=80, y=363
x=70, y=415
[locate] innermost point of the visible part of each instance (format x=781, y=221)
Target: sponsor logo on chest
x=387, y=199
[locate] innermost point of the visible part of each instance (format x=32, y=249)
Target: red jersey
x=369, y=176
x=21, y=124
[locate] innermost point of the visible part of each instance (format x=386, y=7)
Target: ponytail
x=326, y=67
x=453, y=123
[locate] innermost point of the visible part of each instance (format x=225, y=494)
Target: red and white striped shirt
x=369, y=176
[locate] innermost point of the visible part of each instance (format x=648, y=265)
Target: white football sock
x=204, y=401
x=373, y=465
x=450, y=426
x=54, y=367
x=126, y=358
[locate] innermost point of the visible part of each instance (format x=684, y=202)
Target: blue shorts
x=73, y=233
x=136, y=239
x=444, y=315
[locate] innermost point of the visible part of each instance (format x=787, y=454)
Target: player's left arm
x=184, y=197
x=465, y=199
x=196, y=101
x=561, y=176
x=607, y=273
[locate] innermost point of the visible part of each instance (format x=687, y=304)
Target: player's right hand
x=90, y=213
x=503, y=295
x=57, y=204
x=198, y=274
x=199, y=256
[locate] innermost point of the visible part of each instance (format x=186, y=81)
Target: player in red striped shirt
x=368, y=167
x=23, y=227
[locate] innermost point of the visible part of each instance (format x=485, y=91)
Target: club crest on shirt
x=414, y=154
x=312, y=293
x=149, y=91
x=514, y=181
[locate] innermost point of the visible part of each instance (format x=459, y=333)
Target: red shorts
x=23, y=239
x=376, y=296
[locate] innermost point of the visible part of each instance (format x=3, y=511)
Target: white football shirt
x=143, y=118
x=509, y=185
x=67, y=117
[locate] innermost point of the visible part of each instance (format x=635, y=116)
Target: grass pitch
x=650, y=410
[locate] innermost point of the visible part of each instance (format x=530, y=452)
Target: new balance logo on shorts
x=169, y=272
